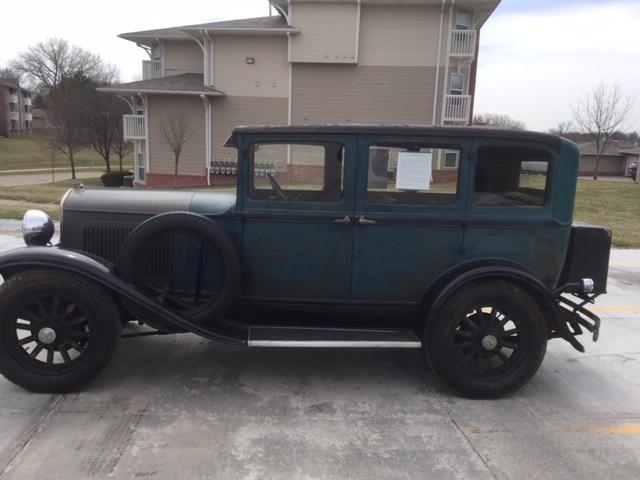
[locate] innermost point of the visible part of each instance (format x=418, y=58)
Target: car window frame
x=346, y=204
x=443, y=143
x=511, y=211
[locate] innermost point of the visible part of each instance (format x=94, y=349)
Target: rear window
x=511, y=177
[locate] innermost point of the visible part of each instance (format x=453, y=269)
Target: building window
x=404, y=175
x=451, y=159
x=140, y=166
x=27, y=125
x=463, y=19
x=457, y=84
x=511, y=177
x=12, y=107
x=297, y=172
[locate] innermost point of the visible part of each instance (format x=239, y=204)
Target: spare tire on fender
x=185, y=261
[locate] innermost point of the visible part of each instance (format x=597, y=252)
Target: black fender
x=464, y=274
x=14, y=261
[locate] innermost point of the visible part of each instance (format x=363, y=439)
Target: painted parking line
x=615, y=308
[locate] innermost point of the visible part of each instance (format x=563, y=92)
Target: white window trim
x=444, y=160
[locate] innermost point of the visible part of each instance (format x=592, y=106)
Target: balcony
x=28, y=116
x=463, y=43
x=13, y=98
x=14, y=116
x=27, y=101
x=457, y=108
x=135, y=127
x=151, y=69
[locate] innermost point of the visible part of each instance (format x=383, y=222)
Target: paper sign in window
x=414, y=171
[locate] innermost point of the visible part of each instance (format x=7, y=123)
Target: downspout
x=210, y=65
x=207, y=136
x=437, y=85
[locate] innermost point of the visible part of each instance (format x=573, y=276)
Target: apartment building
x=315, y=61
x=15, y=108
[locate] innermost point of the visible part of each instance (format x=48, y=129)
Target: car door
x=410, y=210
x=297, y=204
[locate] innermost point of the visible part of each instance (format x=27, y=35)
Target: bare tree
x=176, y=130
x=67, y=110
x=7, y=72
x=104, y=125
x=49, y=62
x=600, y=114
x=121, y=147
x=497, y=120
x=562, y=129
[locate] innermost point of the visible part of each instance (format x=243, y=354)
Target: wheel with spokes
x=488, y=339
x=58, y=330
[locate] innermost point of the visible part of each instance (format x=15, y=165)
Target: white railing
x=27, y=100
x=457, y=108
x=135, y=127
x=151, y=69
x=13, y=98
x=14, y=116
x=463, y=43
x=28, y=116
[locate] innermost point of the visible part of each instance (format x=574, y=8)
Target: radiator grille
x=105, y=240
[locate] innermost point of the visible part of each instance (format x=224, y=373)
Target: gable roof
x=614, y=149
x=273, y=24
x=184, y=84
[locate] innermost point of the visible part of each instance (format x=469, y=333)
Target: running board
x=331, y=338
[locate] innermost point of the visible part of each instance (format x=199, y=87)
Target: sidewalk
x=40, y=177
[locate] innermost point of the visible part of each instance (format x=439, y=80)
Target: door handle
x=343, y=221
x=365, y=221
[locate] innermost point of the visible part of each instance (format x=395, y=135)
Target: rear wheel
x=58, y=330
x=488, y=339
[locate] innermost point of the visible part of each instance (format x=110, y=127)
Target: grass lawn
x=14, y=201
x=613, y=204
x=29, y=151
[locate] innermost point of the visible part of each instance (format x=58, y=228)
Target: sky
x=537, y=57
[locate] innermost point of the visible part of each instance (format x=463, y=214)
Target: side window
x=297, y=172
x=410, y=175
x=511, y=176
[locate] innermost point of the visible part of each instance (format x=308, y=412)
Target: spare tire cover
x=184, y=260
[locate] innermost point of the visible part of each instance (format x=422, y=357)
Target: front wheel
x=57, y=330
x=488, y=339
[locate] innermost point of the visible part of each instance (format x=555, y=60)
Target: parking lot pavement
x=182, y=407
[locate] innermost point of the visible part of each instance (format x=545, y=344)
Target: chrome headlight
x=37, y=228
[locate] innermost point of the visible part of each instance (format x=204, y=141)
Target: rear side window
x=511, y=177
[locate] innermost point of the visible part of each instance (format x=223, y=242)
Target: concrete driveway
x=182, y=407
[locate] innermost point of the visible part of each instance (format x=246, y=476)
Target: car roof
x=418, y=130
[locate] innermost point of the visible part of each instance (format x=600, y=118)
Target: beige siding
x=182, y=57
x=161, y=160
x=327, y=32
x=609, y=165
x=229, y=112
x=393, y=35
x=267, y=77
x=345, y=93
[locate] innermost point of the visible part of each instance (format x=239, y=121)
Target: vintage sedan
x=458, y=241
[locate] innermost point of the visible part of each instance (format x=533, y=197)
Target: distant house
x=614, y=162
x=316, y=61
x=15, y=108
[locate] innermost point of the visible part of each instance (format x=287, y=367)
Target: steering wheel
x=276, y=187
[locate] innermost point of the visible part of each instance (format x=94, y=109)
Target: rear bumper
x=577, y=317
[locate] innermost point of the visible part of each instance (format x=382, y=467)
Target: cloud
x=535, y=64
